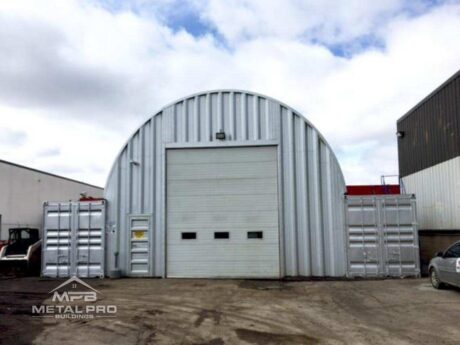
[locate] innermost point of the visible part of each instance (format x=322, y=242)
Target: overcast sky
x=78, y=77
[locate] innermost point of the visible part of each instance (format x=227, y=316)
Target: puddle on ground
x=267, y=338
x=264, y=285
x=154, y=312
x=215, y=341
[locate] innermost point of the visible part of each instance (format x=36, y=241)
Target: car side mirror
x=439, y=254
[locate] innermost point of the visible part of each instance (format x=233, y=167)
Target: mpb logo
x=60, y=308
x=74, y=296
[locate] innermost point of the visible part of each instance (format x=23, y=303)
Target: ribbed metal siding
x=437, y=190
x=311, y=182
x=431, y=129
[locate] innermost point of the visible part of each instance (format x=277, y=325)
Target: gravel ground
x=216, y=312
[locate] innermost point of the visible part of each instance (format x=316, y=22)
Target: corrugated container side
x=74, y=239
x=382, y=236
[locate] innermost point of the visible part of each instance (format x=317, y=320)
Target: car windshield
x=453, y=252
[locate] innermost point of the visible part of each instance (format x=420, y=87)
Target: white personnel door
x=222, y=212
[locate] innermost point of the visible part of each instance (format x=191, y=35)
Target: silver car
x=445, y=267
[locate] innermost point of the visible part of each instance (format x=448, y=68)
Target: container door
x=88, y=244
x=73, y=239
x=364, y=247
x=382, y=236
x=57, y=240
x=399, y=235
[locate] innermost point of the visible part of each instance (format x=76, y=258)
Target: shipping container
x=73, y=239
x=382, y=236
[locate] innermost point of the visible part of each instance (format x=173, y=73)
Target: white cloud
x=80, y=77
x=329, y=21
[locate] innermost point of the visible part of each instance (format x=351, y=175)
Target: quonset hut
x=226, y=183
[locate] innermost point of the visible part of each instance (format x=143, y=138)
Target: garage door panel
x=236, y=196
x=235, y=253
x=184, y=227
x=209, y=217
x=220, y=171
x=235, y=233
x=269, y=238
x=214, y=155
x=222, y=268
x=262, y=202
x=222, y=186
x=202, y=269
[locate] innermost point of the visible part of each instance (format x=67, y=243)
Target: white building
x=23, y=191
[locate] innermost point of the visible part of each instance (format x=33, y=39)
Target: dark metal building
x=431, y=130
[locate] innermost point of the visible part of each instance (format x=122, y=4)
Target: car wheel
x=437, y=284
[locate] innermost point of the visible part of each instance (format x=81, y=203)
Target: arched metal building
x=226, y=183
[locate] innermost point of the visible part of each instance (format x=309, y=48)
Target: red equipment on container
x=90, y=198
x=374, y=189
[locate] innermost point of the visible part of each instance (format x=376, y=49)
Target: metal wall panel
x=382, y=236
x=431, y=129
x=73, y=239
x=437, y=190
x=311, y=184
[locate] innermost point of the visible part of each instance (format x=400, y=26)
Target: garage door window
x=189, y=235
x=255, y=234
x=221, y=235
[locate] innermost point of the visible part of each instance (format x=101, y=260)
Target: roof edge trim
x=49, y=174
x=430, y=95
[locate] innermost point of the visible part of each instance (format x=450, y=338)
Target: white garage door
x=222, y=212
